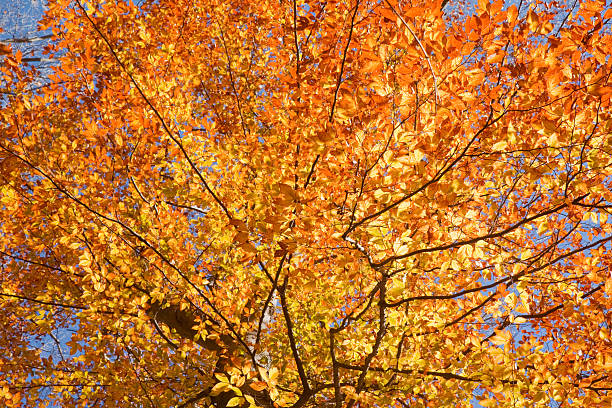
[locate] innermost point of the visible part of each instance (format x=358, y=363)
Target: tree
x=308, y=203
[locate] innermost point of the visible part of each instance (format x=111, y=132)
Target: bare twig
x=435, y=80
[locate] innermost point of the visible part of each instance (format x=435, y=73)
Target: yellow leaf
x=499, y=146
x=239, y=382
x=85, y=261
x=219, y=388
x=234, y=401
x=501, y=338
x=273, y=375
x=395, y=292
x=222, y=377
x=511, y=300
x=608, y=286
x=526, y=254
x=250, y=400
x=542, y=228
x=418, y=155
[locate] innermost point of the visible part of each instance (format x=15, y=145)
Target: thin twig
x=157, y=114
x=435, y=80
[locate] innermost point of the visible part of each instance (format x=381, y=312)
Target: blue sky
x=19, y=18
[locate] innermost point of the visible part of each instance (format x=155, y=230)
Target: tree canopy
x=364, y=203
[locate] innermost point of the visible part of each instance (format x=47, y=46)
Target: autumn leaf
x=501, y=338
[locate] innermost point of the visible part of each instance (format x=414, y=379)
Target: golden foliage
x=340, y=203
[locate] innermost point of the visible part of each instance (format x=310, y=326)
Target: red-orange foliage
x=308, y=203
